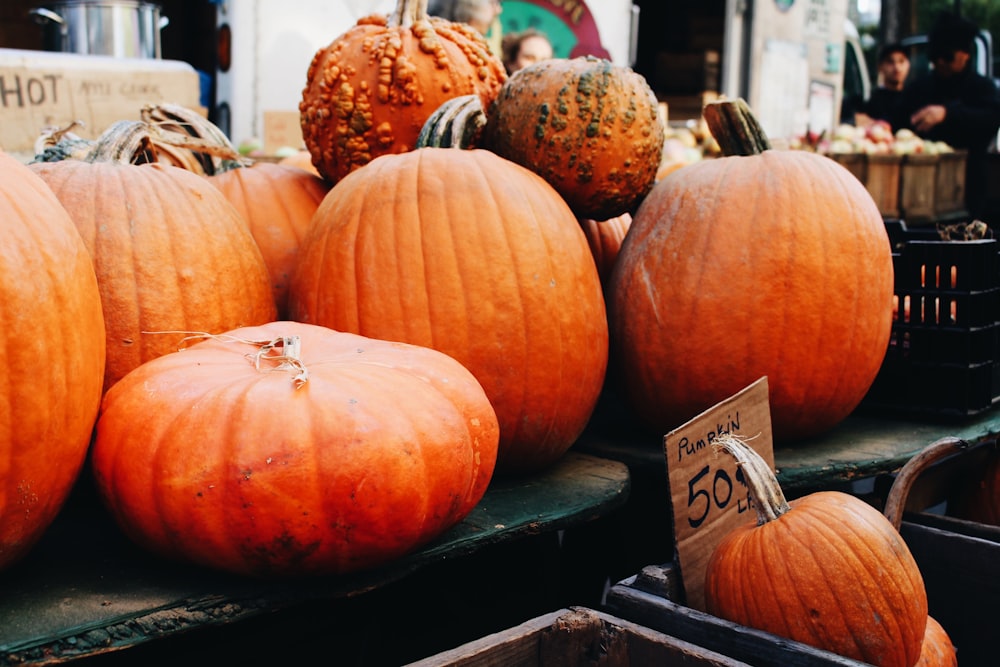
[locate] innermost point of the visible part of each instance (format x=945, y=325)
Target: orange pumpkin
x=289, y=450
x=170, y=252
x=53, y=357
x=826, y=569
x=371, y=90
x=937, y=649
x=738, y=267
x=588, y=127
x=475, y=256
x=278, y=202
x=301, y=159
x=605, y=240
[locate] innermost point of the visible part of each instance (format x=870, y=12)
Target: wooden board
x=85, y=590
x=573, y=637
x=862, y=446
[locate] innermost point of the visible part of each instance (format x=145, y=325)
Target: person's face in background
x=894, y=69
x=533, y=49
x=483, y=19
x=949, y=65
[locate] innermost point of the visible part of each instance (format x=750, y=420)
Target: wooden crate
x=949, y=184
x=882, y=173
x=578, y=636
x=648, y=598
x=856, y=163
x=917, y=188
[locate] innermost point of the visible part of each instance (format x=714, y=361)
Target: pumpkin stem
x=768, y=498
x=406, y=13
x=125, y=142
x=177, y=127
x=457, y=123
x=735, y=127
x=286, y=351
x=895, y=502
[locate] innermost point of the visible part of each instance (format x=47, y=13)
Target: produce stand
x=86, y=591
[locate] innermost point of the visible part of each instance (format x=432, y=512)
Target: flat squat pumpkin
x=291, y=450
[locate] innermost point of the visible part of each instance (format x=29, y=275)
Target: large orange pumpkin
x=290, y=449
x=477, y=257
x=734, y=268
x=53, y=357
x=588, y=127
x=826, y=569
x=371, y=90
x=277, y=201
x=170, y=252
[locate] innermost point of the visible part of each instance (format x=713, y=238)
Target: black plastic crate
x=942, y=357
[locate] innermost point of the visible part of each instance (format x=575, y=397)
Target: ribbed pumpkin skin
x=937, y=650
x=832, y=572
x=588, y=127
x=372, y=89
x=472, y=255
x=738, y=267
x=170, y=253
x=52, y=356
x=203, y=458
x=605, y=239
x=277, y=201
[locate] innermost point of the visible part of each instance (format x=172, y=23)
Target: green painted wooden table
x=85, y=591
x=864, y=445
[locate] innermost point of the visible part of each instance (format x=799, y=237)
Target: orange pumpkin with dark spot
x=371, y=90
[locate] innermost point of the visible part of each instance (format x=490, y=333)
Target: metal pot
x=119, y=28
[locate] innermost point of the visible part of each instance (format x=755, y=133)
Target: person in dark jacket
x=954, y=104
x=893, y=69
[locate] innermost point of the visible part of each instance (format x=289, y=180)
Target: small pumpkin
x=475, y=256
x=937, y=649
x=291, y=450
x=605, y=239
x=371, y=90
x=770, y=262
x=588, y=127
x=53, y=357
x=278, y=202
x=826, y=569
x=170, y=252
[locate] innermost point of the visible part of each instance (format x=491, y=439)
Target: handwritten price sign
x=708, y=494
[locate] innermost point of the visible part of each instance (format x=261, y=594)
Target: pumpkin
x=53, y=357
x=772, y=264
x=826, y=569
x=475, y=256
x=371, y=90
x=301, y=159
x=588, y=127
x=291, y=450
x=278, y=202
x=170, y=252
x=937, y=649
x=605, y=239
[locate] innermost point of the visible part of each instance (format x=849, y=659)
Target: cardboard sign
x=40, y=89
x=282, y=129
x=708, y=493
